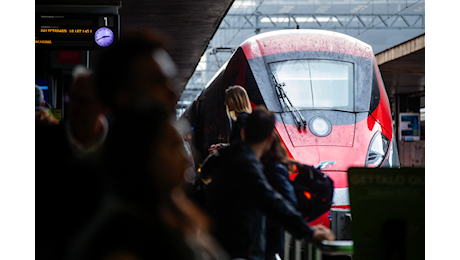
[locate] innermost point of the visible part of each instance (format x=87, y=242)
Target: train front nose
x=324, y=128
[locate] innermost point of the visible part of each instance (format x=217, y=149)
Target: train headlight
x=320, y=126
x=377, y=150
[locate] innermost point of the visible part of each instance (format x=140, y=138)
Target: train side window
x=375, y=94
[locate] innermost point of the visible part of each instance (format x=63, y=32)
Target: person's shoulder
x=242, y=118
x=275, y=169
x=243, y=115
x=243, y=149
x=277, y=164
x=239, y=154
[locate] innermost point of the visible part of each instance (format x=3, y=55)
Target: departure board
x=76, y=32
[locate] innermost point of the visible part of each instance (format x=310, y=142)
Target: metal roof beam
x=260, y=21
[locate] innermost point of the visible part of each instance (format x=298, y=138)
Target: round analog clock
x=104, y=36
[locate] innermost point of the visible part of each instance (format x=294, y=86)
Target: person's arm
x=215, y=147
x=278, y=177
x=272, y=203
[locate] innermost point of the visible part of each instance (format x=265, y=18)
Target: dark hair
x=277, y=153
x=113, y=70
x=259, y=125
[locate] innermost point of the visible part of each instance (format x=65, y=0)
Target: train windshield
x=316, y=84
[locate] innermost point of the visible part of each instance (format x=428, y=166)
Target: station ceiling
x=403, y=67
x=188, y=25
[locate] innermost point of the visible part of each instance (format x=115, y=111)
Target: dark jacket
x=240, y=123
x=124, y=226
x=238, y=199
x=278, y=176
x=68, y=192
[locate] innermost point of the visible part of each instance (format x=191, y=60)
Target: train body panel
x=325, y=88
x=304, y=40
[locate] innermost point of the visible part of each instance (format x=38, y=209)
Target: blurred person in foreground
x=239, y=197
x=145, y=214
x=87, y=126
x=135, y=72
x=68, y=187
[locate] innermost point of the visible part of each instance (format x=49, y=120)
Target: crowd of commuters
x=115, y=188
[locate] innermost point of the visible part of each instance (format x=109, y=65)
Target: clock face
x=104, y=37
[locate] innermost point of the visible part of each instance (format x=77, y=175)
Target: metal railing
x=315, y=252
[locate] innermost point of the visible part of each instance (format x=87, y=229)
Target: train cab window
x=316, y=84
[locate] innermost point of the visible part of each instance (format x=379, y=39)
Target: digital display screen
x=73, y=32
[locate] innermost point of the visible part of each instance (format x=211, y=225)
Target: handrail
x=337, y=247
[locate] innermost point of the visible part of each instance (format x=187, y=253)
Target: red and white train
x=331, y=107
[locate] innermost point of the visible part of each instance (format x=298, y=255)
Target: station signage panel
x=76, y=32
x=409, y=126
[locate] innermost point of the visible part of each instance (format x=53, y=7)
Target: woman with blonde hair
x=238, y=109
x=237, y=101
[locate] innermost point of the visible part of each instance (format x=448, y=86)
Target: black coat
x=240, y=123
x=238, y=199
x=278, y=176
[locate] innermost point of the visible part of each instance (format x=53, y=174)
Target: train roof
x=304, y=40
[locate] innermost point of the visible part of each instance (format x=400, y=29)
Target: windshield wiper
x=298, y=118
